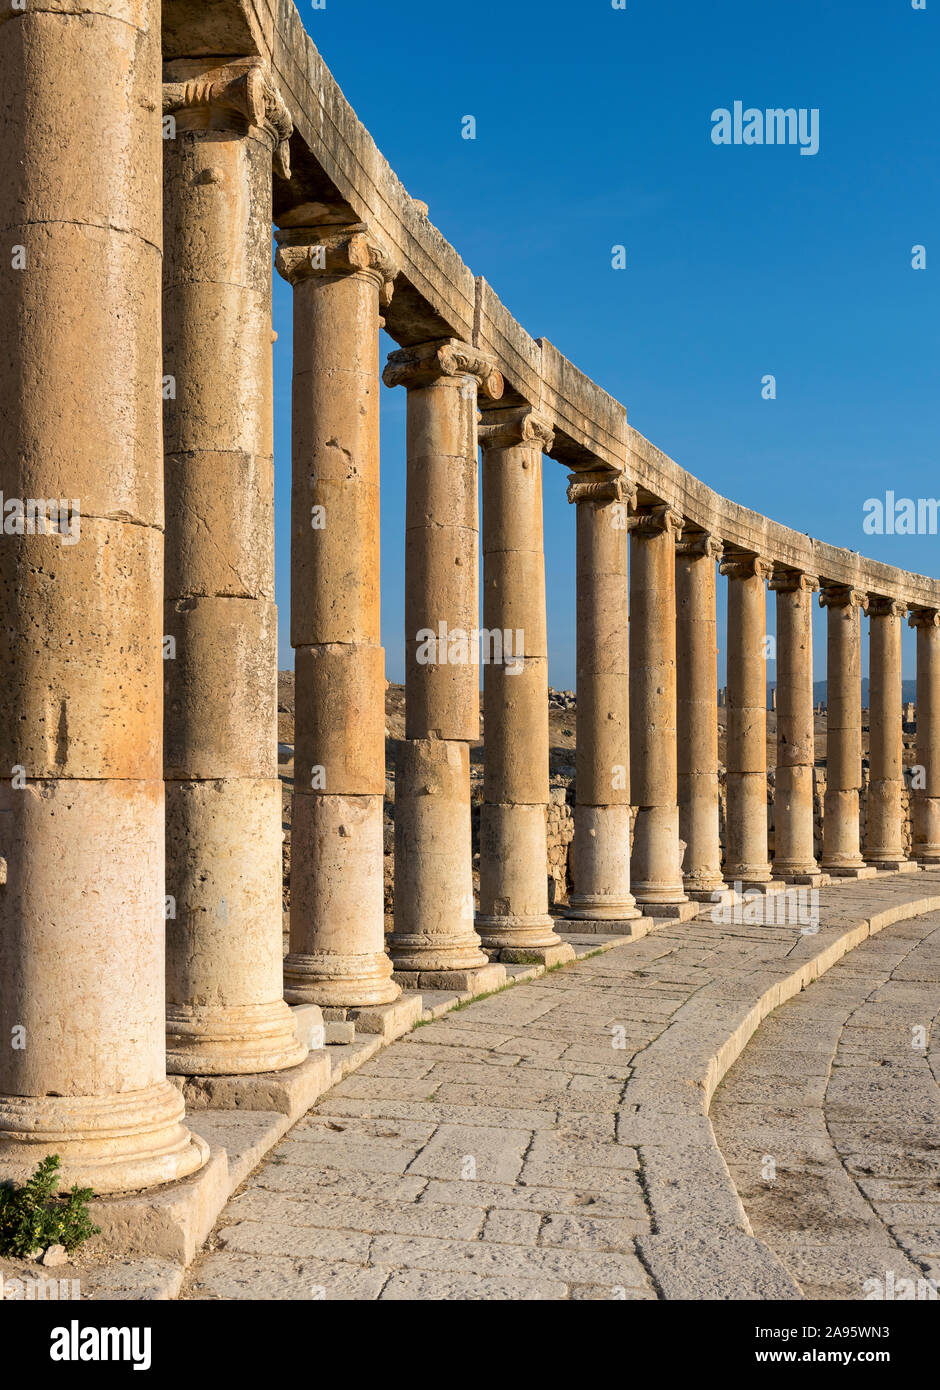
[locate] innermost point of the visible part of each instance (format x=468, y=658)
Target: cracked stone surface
x=553, y=1140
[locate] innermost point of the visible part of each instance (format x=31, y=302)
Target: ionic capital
x=237, y=95
x=504, y=429
x=746, y=566
x=653, y=521
x=303, y=253
x=699, y=545
x=792, y=582
x=924, y=617
x=446, y=357
x=842, y=596
x=601, y=488
x=879, y=607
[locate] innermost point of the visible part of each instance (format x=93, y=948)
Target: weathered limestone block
x=222, y=550
x=340, y=738
x=515, y=764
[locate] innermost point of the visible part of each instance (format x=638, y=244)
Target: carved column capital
x=601, y=488
x=792, y=581
x=699, y=545
x=502, y=429
x=237, y=95
x=842, y=596
x=746, y=566
x=652, y=521
x=924, y=617
x=426, y=363
x=880, y=607
x=303, y=253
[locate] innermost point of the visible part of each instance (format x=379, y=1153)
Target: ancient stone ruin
x=140, y=812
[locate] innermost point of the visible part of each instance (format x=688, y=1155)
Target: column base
x=703, y=890
x=339, y=981
x=595, y=907
x=231, y=1041
x=560, y=954
x=749, y=875
x=650, y=895
x=809, y=879
x=635, y=926
x=482, y=979
x=118, y=1143
x=929, y=856
x=517, y=933
x=895, y=866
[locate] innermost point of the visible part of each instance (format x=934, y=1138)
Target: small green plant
x=32, y=1217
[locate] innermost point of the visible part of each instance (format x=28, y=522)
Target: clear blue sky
x=594, y=130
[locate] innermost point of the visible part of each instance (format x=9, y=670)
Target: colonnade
x=140, y=809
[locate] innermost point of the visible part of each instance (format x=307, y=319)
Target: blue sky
x=594, y=130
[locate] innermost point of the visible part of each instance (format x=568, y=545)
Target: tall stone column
x=926, y=785
x=513, y=918
x=82, y=1070
x=746, y=859
x=656, y=868
x=601, y=846
x=434, y=942
x=884, y=846
x=341, y=278
x=841, y=855
x=697, y=714
x=225, y=1008
x=794, y=857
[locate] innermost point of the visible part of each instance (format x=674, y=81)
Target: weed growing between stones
x=33, y=1218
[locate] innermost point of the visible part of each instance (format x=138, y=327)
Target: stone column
x=841, y=856
x=513, y=919
x=225, y=1010
x=82, y=1071
x=341, y=278
x=746, y=858
x=794, y=858
x=697, y=714
x=656, y=868
x=434, y=943
x=884, y=846
x=601, y=846
x=926, y=785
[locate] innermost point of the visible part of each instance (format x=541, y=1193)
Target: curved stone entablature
x=338, y=171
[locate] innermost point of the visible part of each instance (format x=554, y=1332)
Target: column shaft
x=337, y=930
x=884, y=845
x=697, y=713
x=746, y=858
x=513, y=917
x=225, y=1010
x=794, y=857
x=656, y=869
x=82, y=1070
x=841, y=855
x=434, y=937
x=926, y=781
x=601, y=846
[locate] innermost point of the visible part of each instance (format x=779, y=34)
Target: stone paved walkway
x=551, y=1141
x=830, y=1121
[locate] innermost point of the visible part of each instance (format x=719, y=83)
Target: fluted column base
x=231, y=1040
x=117, y=1143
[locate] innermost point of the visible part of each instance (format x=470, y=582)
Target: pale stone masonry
x=225, y=1008
x=140, y=811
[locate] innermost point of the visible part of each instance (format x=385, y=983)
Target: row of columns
x=140, y=907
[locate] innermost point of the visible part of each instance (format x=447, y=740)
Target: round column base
x=236, y=1040
x=508, y=932
x=795, y=868
x=421, y=954
x=748, y=873
x=118, y=1143
x=595, y=907
x=654, y=893
x=339, y=981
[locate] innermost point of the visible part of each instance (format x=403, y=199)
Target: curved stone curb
x=702, y=1245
